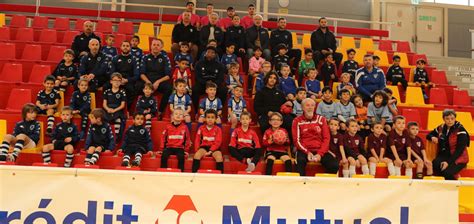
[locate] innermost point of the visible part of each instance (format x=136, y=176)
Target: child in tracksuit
x=64, y=137
x=47, y=101
x=81, y=104
x=66, y=71
x=175, y=139
x=208, y=142
x=137, y=141
x=244, y=143
x=147, y=105
x=114, y=104
x=26, y=134
x=396, y=74
x=99, y=138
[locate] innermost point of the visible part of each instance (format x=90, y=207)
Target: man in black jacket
x=258, y=36
x=94, y=66
x=185, y=32
x=283, y=36
x=323, y=42
x=209, y=70
x=80, y=45
x=236, y=34
x=212, y=32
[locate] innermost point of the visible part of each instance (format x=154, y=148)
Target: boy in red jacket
x=208, y=142
x=244, y=143
x=176, y=140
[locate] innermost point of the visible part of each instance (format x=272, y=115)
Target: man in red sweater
x=311, y=137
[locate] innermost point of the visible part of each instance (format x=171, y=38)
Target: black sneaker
x=49, y=132
x=125, y=163
x=135, y=163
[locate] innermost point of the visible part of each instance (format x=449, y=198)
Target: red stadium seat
x=61, y=23
x=403, y=46
x=8, y=51
x=69, y=36
x=461, y=98
x=24, y=34
x=18, y=98
x=5, y=33
x=32, y=52
x=38, y=73
x=438, y=96
x=18, y=21
x=439, y=77
x=125, y=27
x=104, y=26
x=40, y=22
x=119, y=38
x=48, y=36
x=385, y=45
x=9, y=163
x=12, y=73
x=56, y=53
x=79, y=25
x=413, y=115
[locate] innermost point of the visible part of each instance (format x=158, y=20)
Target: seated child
x=47, y=102
x=114, y=104
x=26, y=134
x=400, y=147
x=258, y=83
x=418, y=151
x=81, y=104
x=361, y=115
x=345, y=84
x=175, y=139
x=235, y=107
x=281, y=58
x=233, y=78
x=99, y=138
x=345, y=109
x=354, y=149
x=421, y=76
x=137, y=141
x=312, y=85
x=66, y=71
x=183, y=54
x=229, y=56
x=136, y=51
x=287, y=83
x=183, y=72
x=109, y=48
x=64, y=137
x=208, y=142
x=377, y=111
x=327, y=108
x=147, y=105
x=210, y=102
x=395, y=73
x=377, y=145
x=350, y=66
x=276, y=150
x=305, y=64
x=181, y=100
x=244, y=143
x=328, y=71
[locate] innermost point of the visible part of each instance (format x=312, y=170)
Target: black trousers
x=450, y=172
x=318, y=56
x=242, y=153
x=167, y=152
x=133, y=149
x=164, y=88
x=404, y=83
x=200, y=89
x=330, y=164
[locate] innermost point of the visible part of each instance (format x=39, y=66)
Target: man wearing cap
x=283, y=36
x=195, y=20
x=209, y=69
x=323, y=42
x=80, y=45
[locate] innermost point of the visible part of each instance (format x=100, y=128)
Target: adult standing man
x=94, y=66
x=369, y=79
x=195, y=20
x=80, y=44
x=155, y=68
x=453, y=140
x=247, y=21
x=323, y=42
x=209, y=10
x=257, y=36
x=236, y=34
x=283, y=36
x=185, y=32
x=209, y=69
x=311, y=137
x=226, y=22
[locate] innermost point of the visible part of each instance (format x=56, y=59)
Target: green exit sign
x=427, y=18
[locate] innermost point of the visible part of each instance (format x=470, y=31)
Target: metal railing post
x=335, y=27
x=38, y=4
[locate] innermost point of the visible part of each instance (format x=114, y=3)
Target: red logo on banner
x=180, y=208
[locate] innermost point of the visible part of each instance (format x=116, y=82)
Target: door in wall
x=429, y=31
x=402, y=15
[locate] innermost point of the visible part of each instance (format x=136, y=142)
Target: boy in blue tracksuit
x=137, y=141
x=100, y=137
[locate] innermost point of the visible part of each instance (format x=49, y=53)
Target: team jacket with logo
x=176, y=136
x=206, y=137
x=272, y=146
x=155, y=67
x=311, y=135
x=28, y=128
x=48, y=98
x=81, y=101
x=138, y=135
x=126, y=65
x=66, y=71
x=244, y=139
x=145, y=103
x=100, y=135
x=66, y=130
x=376, y=143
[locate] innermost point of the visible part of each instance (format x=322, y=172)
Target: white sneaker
x=11, y=158
x=250, y=167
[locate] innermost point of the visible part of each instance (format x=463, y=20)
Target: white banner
x=58, y=195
